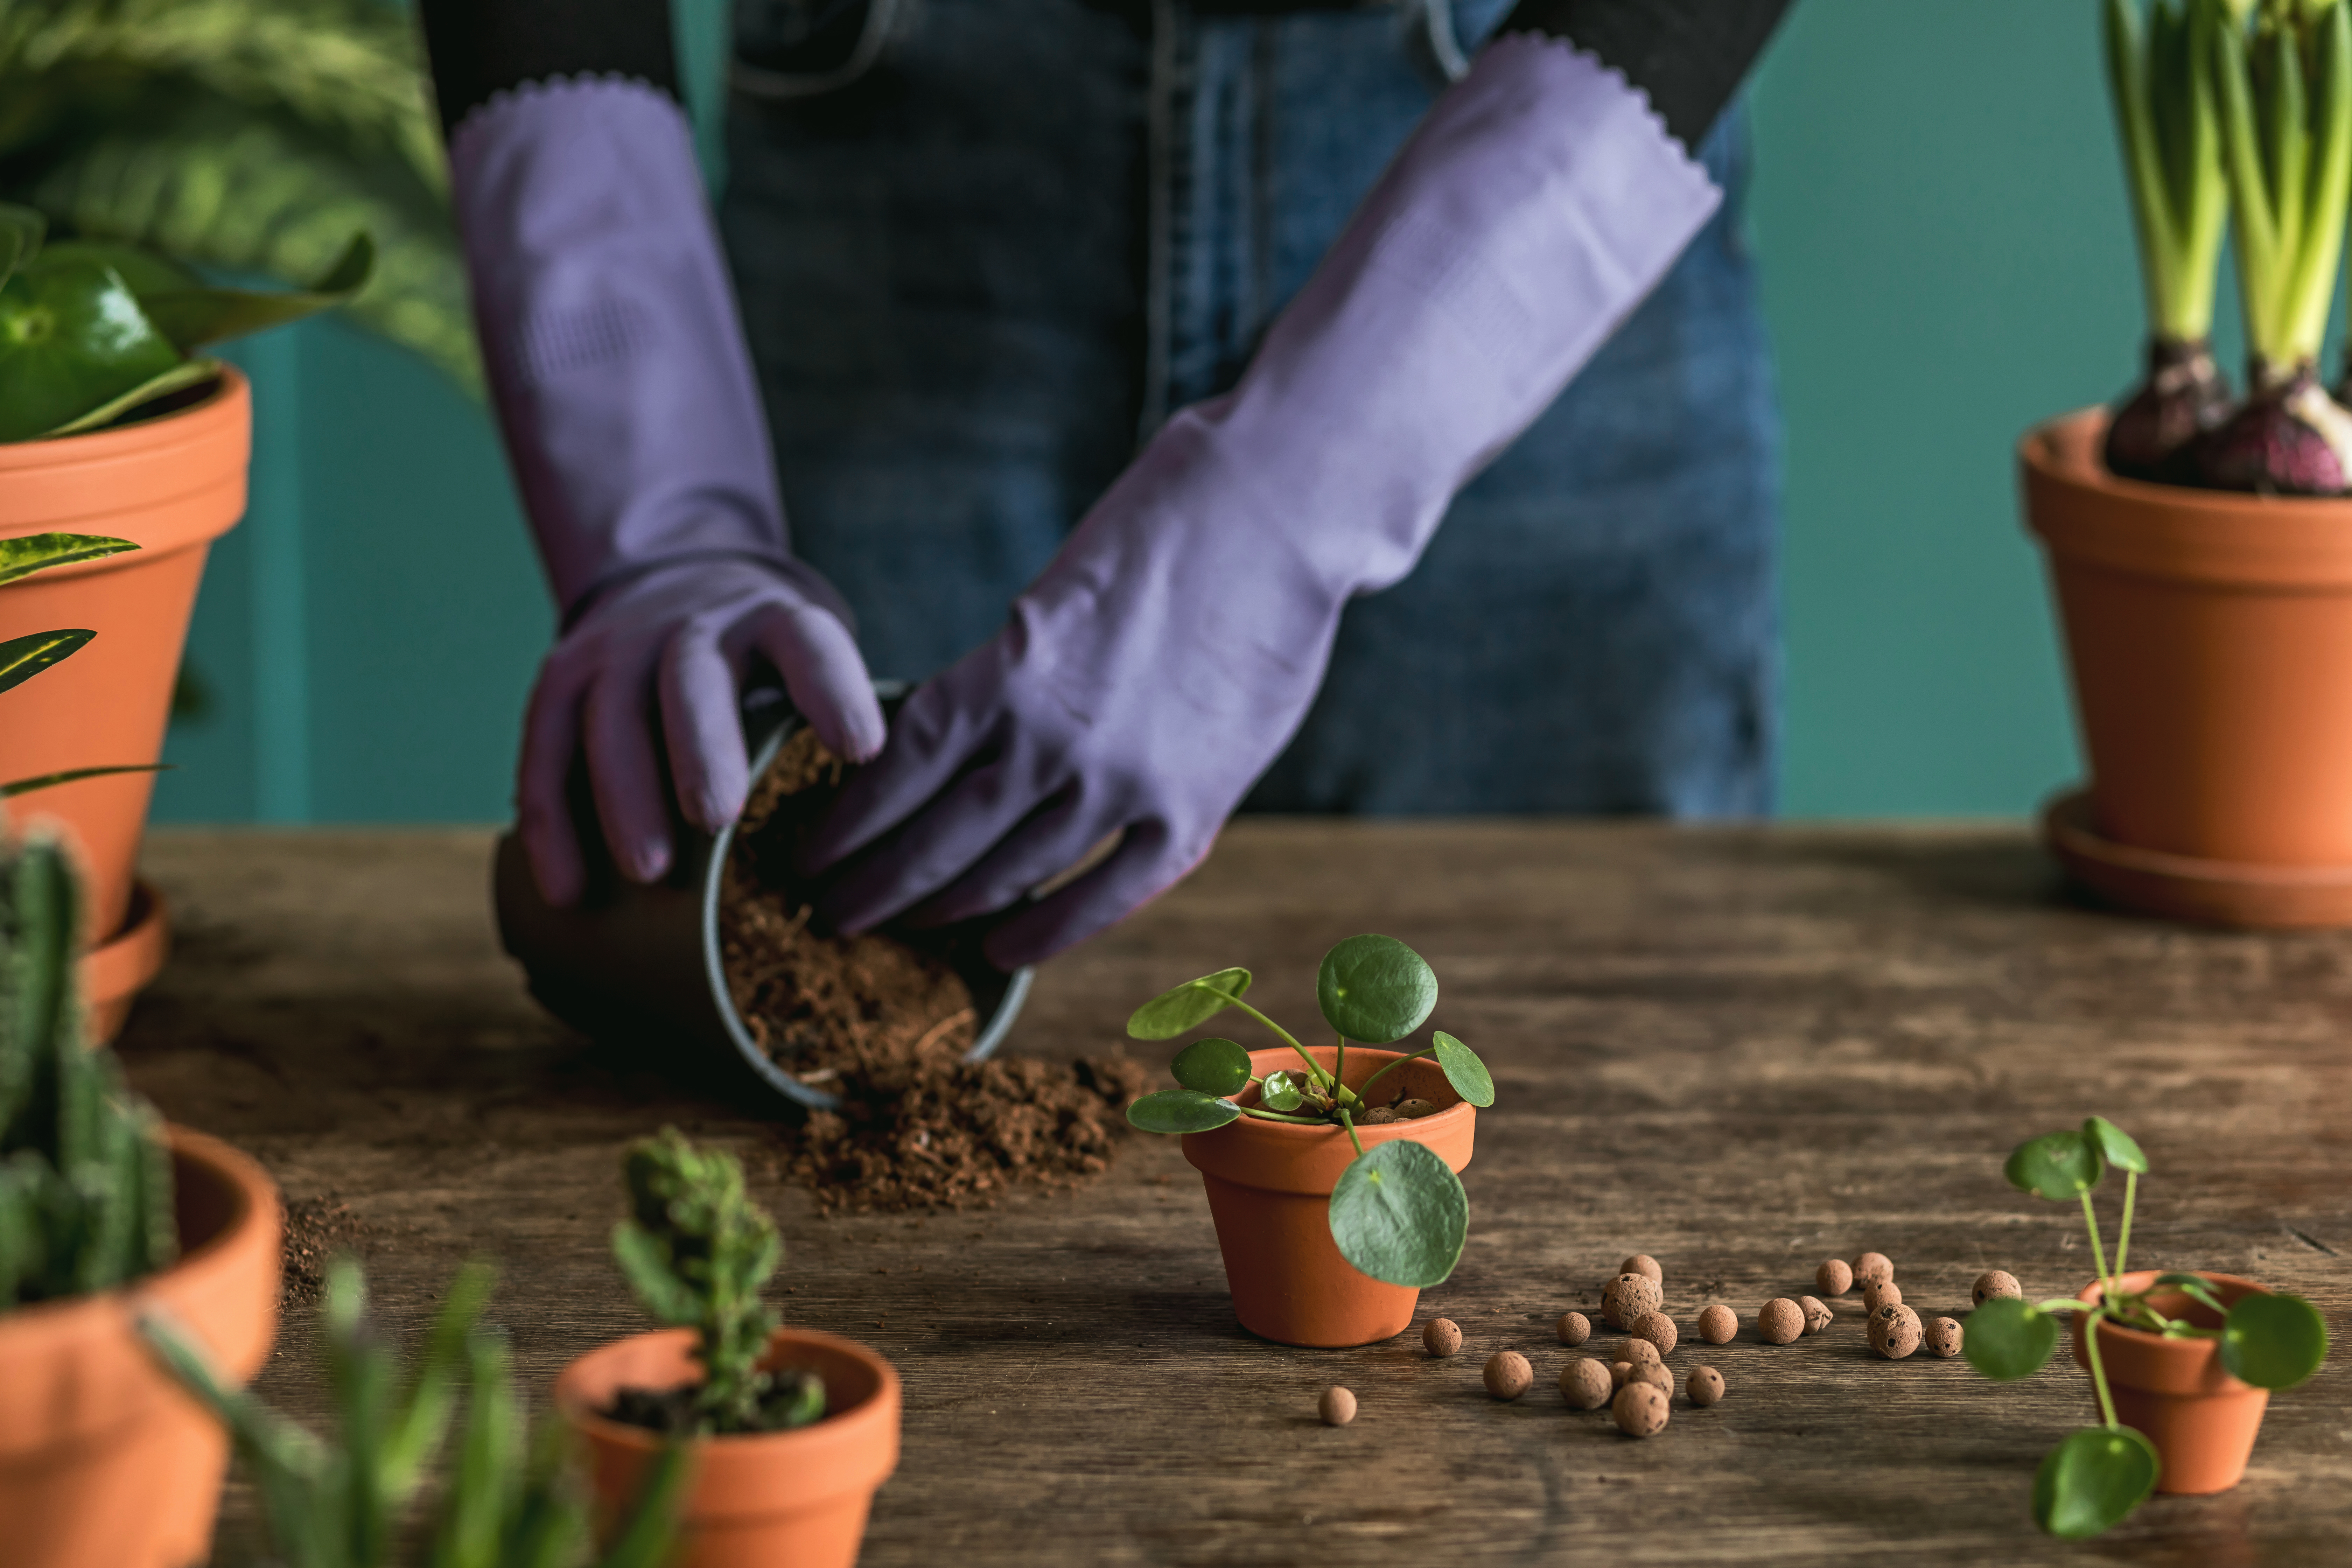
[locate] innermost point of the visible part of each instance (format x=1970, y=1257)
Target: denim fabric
x=974, y=273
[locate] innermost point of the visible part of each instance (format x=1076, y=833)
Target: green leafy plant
x=85, y=1173
x=2099, y=1474
x=698, y=1252
x=1398, y=1211
x=511, y=1499
x=23, y=657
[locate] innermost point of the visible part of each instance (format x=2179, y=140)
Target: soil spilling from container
x=884, y=1022
x=316, y=1230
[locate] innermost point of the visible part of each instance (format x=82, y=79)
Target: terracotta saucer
x=2183, y=888
x=116, y=971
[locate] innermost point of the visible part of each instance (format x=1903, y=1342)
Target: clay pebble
x=1703, y=1387
x=1881, y=1293
x=1873, y=1265
x=1657, y=1377
x=1833, y=1278
x=1585, y=1383
x=1508, y=1375
x=1414, y=1110
x=1443, y=1336
x=1817, y=1314
x=1997, y=1283
x=1718, y=1323
x=1574, y=1328
x=1894, y=1330
x=1338, y=1407
x=1658, y=1330
x=1641, y=1410
x=1628, y=1296
x=1780, y=1321
x=1645, y=1265
x=1944, y=1336
x=1620, y=1373
x=1641, y=1353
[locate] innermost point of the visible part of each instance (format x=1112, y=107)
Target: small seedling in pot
x=2099, y=1474
x=1397, y=1213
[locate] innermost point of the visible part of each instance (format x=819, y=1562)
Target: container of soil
x=2175, y=1391
x=717, y=962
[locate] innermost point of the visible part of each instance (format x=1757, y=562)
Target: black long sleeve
x=1689, y=56
x=484, y=47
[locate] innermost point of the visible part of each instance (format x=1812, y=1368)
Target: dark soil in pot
x=671, y=1412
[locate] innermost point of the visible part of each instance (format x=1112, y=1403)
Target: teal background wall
x=1941, y=227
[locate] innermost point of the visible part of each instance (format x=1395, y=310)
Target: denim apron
x=992, y=243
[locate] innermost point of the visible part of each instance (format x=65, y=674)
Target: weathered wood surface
x=1738, y=1050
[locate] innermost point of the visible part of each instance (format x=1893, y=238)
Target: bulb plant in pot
x=2181, y=1364
x=1330, y=1173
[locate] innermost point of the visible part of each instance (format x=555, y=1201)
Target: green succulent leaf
x=72, y=339
x=21, y=229
x=1375, y=989
x=1399, y=1215
x=2009, y=1339
x=14, y=787
x=1214, y=1066
x=1188, y=1006
x=2059, y=1167
x=2274, y=1341
x=21, y=659
x=2114, y=1145
x=1181, y=1110
x=1464, y=1070
x=179, y=378
x=1281, y=1091
x=2093, y=1480
x=31, y=552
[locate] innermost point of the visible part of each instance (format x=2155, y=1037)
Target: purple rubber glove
x=1174, y=646
x=617, y=365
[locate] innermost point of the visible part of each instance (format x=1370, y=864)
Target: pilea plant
x=2099, y=1474
x=1398, y=1211
x=698, y=1252
x=510, y=1499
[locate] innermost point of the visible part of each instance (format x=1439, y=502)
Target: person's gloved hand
x=617, y=366
x=1173, y=647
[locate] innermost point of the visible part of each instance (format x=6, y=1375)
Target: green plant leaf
x=21, y=659
x=1399, y=1215
x=2274, y=1341
x=1375, y=989
x=1188, y=1006
x=200, y=315
x=2195, y=1287
x=144, y=272
x=1214, y=1066
x=1181, y=1110
x=2093, y=1480
x=31, y=552
x=72, y=339
x=2009, y=1339
x=2059, y=1167
x=179, y=378
x=1281, y=1091
x=1464, y=1070
x=21, y=229
x=15, y=787
x=2114, y=1145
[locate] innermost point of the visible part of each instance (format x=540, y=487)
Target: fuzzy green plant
x=697, y=1251
x=85, y=1173
x=510, y=1497
x=1398, y=1211
x=2094, y=1477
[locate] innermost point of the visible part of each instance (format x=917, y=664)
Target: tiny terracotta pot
x=1269, y=1186
x=763, y=1501
x=2175, y=1393
x=104, y=1462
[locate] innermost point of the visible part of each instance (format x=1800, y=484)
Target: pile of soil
x=884, y=1022
x=316, y=1230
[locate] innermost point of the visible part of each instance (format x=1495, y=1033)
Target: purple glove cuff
x=610, y=335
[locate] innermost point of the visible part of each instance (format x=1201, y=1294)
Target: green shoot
x=2170, y=131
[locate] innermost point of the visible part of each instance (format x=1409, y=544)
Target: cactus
x=85, y=1173
x=698, y=1250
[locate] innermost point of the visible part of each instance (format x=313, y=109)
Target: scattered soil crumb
x=316, y=1230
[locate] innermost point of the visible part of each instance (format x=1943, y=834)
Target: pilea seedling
x=1398, y=1211
x=2099, y=1474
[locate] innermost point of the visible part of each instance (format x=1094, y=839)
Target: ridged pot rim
x=1251, y=1141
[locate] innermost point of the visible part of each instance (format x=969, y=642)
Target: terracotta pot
x=2175, y=1391
x=777, y=1499
x=2210, y=639
x=171, y=485
x=1269, y=1185
x=104, y=1463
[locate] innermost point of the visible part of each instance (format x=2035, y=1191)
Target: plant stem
x=1278, y=1116
x=2123, y=1237
x=2099, y=1253
x=1315, y=1069
x=1348, y=1123
x=2098, y=1372
x=1376, y=1077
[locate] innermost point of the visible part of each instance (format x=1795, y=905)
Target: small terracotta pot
x=104, y=1462
x=2175, y=1393
x=769, y=1500
x=1269, y=1185
x=170, y=485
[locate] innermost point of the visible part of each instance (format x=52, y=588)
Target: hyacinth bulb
x=2182, y=397
x=2290, y=438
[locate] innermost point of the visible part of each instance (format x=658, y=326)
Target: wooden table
x=1740, y=1051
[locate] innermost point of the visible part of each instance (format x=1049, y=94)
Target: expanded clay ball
x=1996, y=1283
x=1705, y=1385
x=1817, y=1314
x=1873, y=1265
x=1833, y=1278
x=1641, y=1409
x=1657, y=1330
x=1585, y=1383
x=1944, y=1336
x=1718, y=1323
x=1508, y=1375
x=1575, y=1328
x=1881, y=1293
x=1657, y=1377
x=1894, y=1330
x=1780, y=1321
x=1645, y=1265
x=1338, y=1407
x=1621, y=1372
x=1442, y=1335
x=1628, y=1296
x=1641, y=1353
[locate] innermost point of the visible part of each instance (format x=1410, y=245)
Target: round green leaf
x=1190, y=1006
x=1464, y=1070
x=72, y=339
x=2114, y=1145
x=2274, y=1341
x=2093, y=1480
x=1181, y=1110
x=1400, y=1214
x=2057, y=1167
x=1281, y=1092
x=1213, y=1067
x=2009, y=1339
x=1375, y=989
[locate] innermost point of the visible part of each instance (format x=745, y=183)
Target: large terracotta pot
x=1269, y=1185
x=2210, y=639
x=775, y=1500
x=104, y=1462
x=170, y=485
x=2175, y=1393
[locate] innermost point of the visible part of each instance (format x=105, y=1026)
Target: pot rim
x=122, y=440
x=174, y=482
x=833, y=1425
x=2095, y=1291
x=2039, y=450
x=1307, y=1161
x=1421, y=1129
